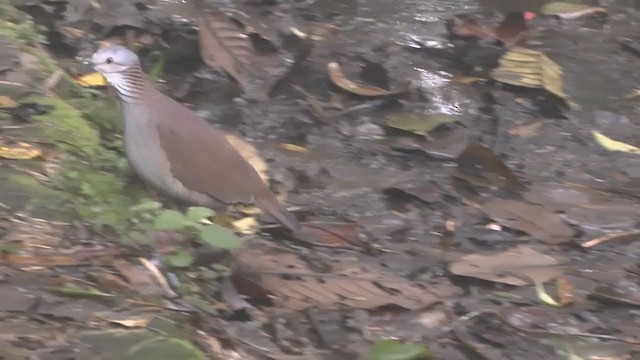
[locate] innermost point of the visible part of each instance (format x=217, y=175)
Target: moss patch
x=65, y=127
x=23, y=192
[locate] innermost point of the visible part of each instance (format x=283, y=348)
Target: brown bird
x=176, y=151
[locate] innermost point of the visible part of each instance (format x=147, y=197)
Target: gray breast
x=147, y=158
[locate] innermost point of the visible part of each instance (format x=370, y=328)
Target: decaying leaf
x=481, y=167
x=567, y=10
x=419, y=124
x=428, y=192
x=136, y=321
x=140, y=279
x=466, y=26
x=7, y=102
x=339, y=79
x=290, y=282
x=526, y=131
x=535, y=220
x=246, y=225
x=516, y=266
x=513, y=30
x=614, y=145
x=532, y=69
x=294, y=148
x=225, y=46
x=94, y=79
x=19, y=151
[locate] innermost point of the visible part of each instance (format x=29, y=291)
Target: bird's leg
x=222, y=216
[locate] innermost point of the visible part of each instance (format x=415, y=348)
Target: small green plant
x=212, y=234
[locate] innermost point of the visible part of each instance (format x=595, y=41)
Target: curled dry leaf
x=340, y=79
x=614, y=145
x=534, y=220
x=567, y=10
x=290, y=282
x=516, y=266
x=532, y=69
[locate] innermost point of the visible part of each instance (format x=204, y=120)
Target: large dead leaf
x=340, y=79
x=512, y=267
x=290, y=282
x=530, y=68
x=535, y=220
x=225, y=46
x=481, y=167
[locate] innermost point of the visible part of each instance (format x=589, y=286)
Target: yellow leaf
x=20, y=151
x=247, y=225
x=7, y=102
x=296, y=148
x=614, y=145
x=91, y=80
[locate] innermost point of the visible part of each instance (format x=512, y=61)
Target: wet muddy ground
x=438, y=234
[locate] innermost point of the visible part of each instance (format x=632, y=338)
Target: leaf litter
x=517, y=266
x=291, y=283
x=535, y=220
x=416, y=234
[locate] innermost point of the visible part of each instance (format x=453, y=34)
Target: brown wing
x=200, y=155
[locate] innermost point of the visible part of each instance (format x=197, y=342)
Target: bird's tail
x=270, y=204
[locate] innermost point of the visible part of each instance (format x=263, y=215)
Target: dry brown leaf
x=565, y=291
x=535, y=220
x=481, y=167
x=225, y=46
x=125, y=320
x=7, y=102
x=39, y=260
x=339, y=79
x=140, y=278
x=526, y=131
x=513, y=267
x=290, y=282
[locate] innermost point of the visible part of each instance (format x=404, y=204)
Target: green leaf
x=170, y=220
x=220, y=237
x=395, y=350
x=179, y=259
x=420, y=124
x=147, y=205
x=198, y=213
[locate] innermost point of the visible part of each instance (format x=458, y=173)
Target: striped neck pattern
x=130, y=83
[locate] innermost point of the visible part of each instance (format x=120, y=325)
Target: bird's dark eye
x=109, y=60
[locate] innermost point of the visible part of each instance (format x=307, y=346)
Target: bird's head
x=121, y=67
x=114, y=59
